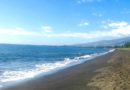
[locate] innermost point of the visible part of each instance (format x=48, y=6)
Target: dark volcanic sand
x=107, y=72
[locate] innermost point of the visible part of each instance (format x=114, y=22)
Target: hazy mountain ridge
x=106, y=43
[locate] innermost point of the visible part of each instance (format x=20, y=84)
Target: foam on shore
x=46, y=68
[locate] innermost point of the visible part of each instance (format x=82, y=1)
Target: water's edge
x=52, y=71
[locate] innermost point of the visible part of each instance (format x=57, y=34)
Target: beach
x=107, y=72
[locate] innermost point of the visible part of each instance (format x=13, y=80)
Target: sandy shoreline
x=107, y=72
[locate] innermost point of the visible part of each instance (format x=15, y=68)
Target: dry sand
x=107, y=72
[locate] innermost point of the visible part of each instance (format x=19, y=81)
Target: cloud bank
x=115, y=30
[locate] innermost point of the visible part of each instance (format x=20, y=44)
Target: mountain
x=106, y=43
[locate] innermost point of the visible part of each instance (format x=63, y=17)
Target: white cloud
x=120, y=28
x=116, y=30
x=16, y=35
x=15, y=31
x=83, y=24
x=47, y=29
x=118, y=24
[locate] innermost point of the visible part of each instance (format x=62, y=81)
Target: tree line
x=125, y=45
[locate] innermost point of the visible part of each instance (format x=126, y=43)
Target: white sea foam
x=45, y=68
x=41, y=68
x=112, y=50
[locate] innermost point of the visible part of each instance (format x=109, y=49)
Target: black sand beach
x=107, y=72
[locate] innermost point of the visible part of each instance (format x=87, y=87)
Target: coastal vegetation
x=127, y=45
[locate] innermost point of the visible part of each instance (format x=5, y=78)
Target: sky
x=63, y=22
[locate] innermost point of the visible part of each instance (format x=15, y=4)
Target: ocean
x=20, y=62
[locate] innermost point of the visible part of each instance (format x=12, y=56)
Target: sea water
x=19, y=62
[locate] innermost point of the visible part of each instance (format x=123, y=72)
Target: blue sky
x=59, y=22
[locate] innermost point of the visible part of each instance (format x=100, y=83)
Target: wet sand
x=107, y=72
